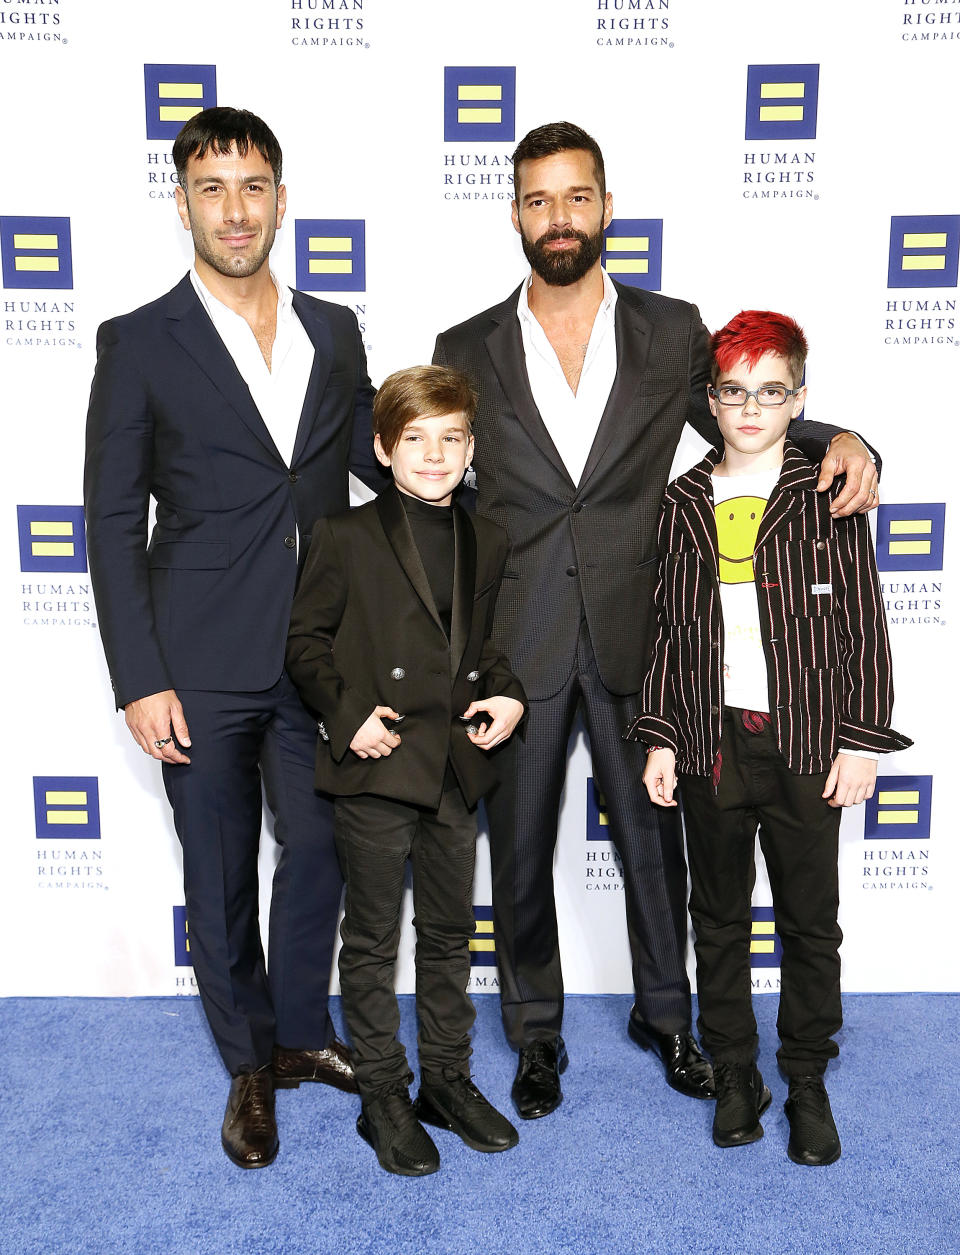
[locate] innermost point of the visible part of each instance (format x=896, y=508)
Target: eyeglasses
x=770, y=394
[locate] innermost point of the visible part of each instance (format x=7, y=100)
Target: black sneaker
x=388, y=1122
x=814, y=1139
x=742, y=1098
x=455, y=1103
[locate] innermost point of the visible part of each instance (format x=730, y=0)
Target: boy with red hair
x=769, y=691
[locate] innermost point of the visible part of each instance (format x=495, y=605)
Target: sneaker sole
x=397, y=1170
x=429, y=1114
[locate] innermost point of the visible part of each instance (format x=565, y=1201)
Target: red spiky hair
x=753, y=332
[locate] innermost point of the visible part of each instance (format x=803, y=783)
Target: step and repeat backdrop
x=797, y=157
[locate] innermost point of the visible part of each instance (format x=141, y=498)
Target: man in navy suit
x=239, y=406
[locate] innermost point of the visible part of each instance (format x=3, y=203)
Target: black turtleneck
x=432, y=527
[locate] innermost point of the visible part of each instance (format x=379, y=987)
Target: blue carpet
x=111, y=1113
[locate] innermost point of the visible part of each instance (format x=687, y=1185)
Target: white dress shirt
x=571, y=418
x=278, y=392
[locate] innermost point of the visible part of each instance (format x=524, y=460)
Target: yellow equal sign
x=628, y=244
x=52, y=548
x=74, y=798
x=330, y=244
x=925, y=261
x=29, y=260
x=475, y=113
x=186, y=935
x=180, y=91
x=782, y=91
x=911, y=527
x=483, y=943
x=898, y=797
x=761, y=937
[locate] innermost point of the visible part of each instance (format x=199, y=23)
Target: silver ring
x=166, y=741
x=873, y=492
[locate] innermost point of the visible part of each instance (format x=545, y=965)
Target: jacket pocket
x=809, y=566
x=189, y=555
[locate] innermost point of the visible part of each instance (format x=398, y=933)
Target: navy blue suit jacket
x=205, y=603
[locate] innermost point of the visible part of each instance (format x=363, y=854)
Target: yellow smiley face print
x=738, y=521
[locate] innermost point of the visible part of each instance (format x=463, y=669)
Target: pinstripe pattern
x=827, y=653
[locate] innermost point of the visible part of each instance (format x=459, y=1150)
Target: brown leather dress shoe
x=249, y=1133
x=331, y=1066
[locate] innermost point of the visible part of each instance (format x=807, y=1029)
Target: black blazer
x=592, y=544
x=821, y=621
x=365, y=633
x=205, y=605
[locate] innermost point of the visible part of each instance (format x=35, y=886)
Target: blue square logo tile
x=910, y=537
x=173, y=94
x=782, y=101
x=924, y=251
x=899, y=809
x=479, y=103
x=331, y=254
x=633, y=252
x=37, y=252
x=66, y=808
x=52, y=538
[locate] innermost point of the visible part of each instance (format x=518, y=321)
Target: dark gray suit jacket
x=587, y=549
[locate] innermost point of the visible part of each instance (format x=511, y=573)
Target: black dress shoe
x=536, y=1087
x=687, y=1070
x=249, y=1133
x=331, y=1066
x=814, y=1139
x=455, y=1103
x=389, y=1123
x=742, y=1098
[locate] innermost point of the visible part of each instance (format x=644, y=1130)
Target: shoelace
x=809, y=1092
x=254, y=1103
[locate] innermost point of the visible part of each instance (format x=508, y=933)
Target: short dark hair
x=558, y=137
x=221, y=129
x=420, y=392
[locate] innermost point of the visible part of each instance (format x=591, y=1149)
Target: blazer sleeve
x=866, y=703
x=499, y=680
x=318, y=609
x=656, y=724
x=118, y=472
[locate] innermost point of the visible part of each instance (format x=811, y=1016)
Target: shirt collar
x=607, y=304
x=211, y=302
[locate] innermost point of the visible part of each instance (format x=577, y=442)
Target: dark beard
x=568, y=266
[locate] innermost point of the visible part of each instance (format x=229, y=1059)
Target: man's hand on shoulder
x=848, y=455
x=154, y=721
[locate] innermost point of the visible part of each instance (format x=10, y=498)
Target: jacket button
x=324, y=736
x=397, y=673
x=473, y=676
x=290, y=542
x=571, y=570
x=714, y=710
x=578, y=506
x=821, y=544
x=293, y=477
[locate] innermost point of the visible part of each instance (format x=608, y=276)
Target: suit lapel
x=318, y=329
x=505, y=346
x=393, y=517
x=464, y=585
x=191, y=327
x=786, y=500
x=633, y=332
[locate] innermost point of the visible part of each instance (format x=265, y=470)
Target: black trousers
x=375, y=838
x=799, y=836
x=523, y=810
x=217, y=809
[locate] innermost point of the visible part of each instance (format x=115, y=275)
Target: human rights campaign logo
x=181, y=938
x=633, y=252
x=174, y=94
x=924, y=251
x=51, y=538
x=597, y=821
x=910, y=537
x=331, y=254
x=900, y=807
x=782, y=101
x=479, y=102
x=483, y=947
x=66, y=806
x=765, y=947
x=36, y=252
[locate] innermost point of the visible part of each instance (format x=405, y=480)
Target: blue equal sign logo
x=181, y=938
x=52, y=538
x=633, y=252
x=331, y=254
x=765, y=947
x=37, y=252
x=910, y=537
x=597, y=820
x=782, y=101
x=483, y=946
x=173, y=94
x=900, y=807
x=924, y=251
x=66, y=807
x=479, y=102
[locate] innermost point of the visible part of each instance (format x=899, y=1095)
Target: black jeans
x=375, y=837
x=799, y=837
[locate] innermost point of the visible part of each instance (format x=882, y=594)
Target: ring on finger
x=164, y=741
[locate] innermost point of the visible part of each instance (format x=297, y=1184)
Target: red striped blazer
x=821, y=619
